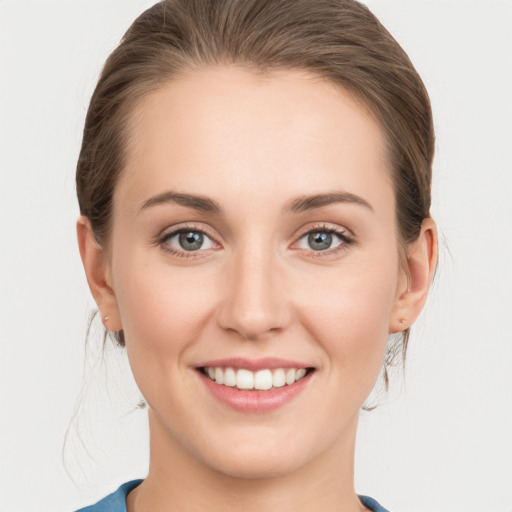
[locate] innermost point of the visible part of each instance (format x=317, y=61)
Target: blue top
x=116, y=502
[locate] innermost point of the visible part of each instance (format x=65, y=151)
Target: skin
x=254, y=143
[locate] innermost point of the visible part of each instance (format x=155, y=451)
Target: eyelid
x=184, y=226
x=345, y=235
x=172, y=231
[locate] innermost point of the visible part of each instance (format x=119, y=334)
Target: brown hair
x=340, y=40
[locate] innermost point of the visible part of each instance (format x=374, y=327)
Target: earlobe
x=97, y=270
x=417, y=276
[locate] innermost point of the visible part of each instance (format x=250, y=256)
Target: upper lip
x=264, y=363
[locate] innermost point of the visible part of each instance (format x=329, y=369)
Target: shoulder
x=372, y=504
x=115, y=502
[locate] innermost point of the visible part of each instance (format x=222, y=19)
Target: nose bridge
x=254, y=303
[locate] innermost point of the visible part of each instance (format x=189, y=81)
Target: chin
x=261, y=466
x=255, y=458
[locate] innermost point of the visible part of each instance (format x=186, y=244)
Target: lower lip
x=255, y=401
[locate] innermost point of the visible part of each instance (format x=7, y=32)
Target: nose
x=254, y=301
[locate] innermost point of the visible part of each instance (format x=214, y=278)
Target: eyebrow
x=200, y=203
x=297, y=205
x=305, y=203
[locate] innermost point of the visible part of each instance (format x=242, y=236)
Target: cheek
x=163, y=312
x=348, y=311
x=166, y=304
x=163, y=309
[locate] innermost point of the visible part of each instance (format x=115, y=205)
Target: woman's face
x=253, y=235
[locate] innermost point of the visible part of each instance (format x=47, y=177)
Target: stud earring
x=106, y=319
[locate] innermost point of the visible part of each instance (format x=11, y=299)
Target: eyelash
x=162, y=241
x=346, y=240
x=342, y=234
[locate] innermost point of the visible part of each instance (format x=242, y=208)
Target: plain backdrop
x=441, y=439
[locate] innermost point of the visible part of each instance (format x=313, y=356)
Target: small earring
x=105, y=318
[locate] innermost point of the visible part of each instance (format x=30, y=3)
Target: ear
x=97, y=270
x=415, y=278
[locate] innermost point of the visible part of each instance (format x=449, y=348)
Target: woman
x=254, y=187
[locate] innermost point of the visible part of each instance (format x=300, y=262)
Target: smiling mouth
x=261, y=380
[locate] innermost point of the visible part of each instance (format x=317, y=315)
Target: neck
x=179, y=481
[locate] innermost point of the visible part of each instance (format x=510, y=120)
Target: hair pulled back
x=339, y=40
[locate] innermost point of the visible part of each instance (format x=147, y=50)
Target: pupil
x=191, y=241
x=320, y=241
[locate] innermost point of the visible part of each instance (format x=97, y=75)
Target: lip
x=270, y=363
x=254, y=401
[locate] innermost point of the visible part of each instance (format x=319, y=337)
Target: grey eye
x=320, y=240
x=189, y=241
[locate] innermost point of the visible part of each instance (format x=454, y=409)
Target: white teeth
x=290, y=376
x=300, y=373
x=229, y=377
x=278, y=378
x=244, y=379
x=261, y=380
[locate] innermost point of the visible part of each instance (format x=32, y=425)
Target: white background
x=442, y=438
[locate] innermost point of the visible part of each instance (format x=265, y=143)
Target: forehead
x=225, y=131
